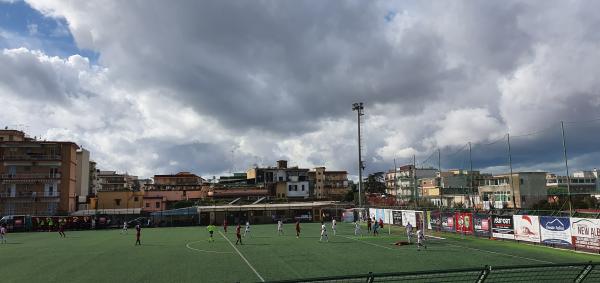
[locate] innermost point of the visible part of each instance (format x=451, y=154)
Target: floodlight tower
x=358, y=107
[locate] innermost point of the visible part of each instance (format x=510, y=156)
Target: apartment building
x=331, y=185
x=497, y=191
x=281, y=181
x=36, y=177
x=403, y=182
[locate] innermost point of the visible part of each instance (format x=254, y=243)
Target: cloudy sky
x=212, y=86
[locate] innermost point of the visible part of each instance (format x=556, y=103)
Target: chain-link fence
x=575, y=272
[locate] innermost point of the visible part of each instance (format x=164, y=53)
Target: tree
x=375, y=183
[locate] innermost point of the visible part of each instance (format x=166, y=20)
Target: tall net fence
x=576, y=272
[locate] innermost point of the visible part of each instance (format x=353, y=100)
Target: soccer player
x=369, y=225
x=61, y=230
x=279, y=227
x=323, y=233
x=375, y=228
x=238, y=234
x=408, y=231
x=297, y=228
x=225, y=225
x=211, y=231
x=247, y=230
x=357, y=229
x=3, y=234
x=333, y=222
x=138, y=233
x=380, y=223
x=124, y=231
x=420, y=240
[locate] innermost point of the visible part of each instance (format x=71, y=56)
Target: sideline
x=499, y=253
x=242, y=256
x=204, y=251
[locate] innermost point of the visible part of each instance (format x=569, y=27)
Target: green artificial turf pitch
x=185, y=255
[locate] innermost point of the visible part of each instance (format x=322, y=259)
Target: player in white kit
x=357, y=230
x=124, y=231
x=279, y=227
x=247, y=230
x=408, y=231
x=3, y=234
x=323, y=233
x=333, y=224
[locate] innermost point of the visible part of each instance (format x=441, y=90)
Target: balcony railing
x=30, y=195
x=23, y=176
x=30, y=157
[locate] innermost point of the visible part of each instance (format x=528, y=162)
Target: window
x=147, y=204
x=521, y=181
x=280, y=179
x=303, y=188
x=289, y=188
x=118, y=201
x=296, y=188
x=184, y=193
x=157, y=204
x=135, y=198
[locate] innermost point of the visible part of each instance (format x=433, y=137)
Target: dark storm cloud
x=277, y=79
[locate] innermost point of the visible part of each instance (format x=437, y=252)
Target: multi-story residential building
x=36, y=177
x=124, y=199
x=529, y=188
x=403, y=182
x=328, y=184
x=111, y=181
x=582, y=183
x=453, y=187
x=281, y=181
x=82, y=176
x=169, y=189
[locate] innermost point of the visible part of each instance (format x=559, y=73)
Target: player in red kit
x=297, y=228
x=238, y=234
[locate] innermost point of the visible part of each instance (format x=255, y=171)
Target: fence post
x=484, y=274
x=584, y=273
x=370, y=277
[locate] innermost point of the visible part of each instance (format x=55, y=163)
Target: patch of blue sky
x=23, y=26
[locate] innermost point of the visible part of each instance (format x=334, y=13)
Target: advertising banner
x=447, y=219
x=464, y=222
x=408, y=216
x=372, y=212
x=502, y=227
x=348, y=215
x=387, y=216
x=585, y=233
x=555, y=230
x=435, y=220
x=481, y=225
x=397, y=217
x=527, y=228
x=379, y=214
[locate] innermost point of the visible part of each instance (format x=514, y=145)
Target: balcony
x=30, y=195
x=30, y=176
x=32, y=157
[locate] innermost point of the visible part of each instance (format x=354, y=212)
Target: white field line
x=439, y=238
x=365, y=242
x=499, y=253
x=242, y=256
x=204, y=251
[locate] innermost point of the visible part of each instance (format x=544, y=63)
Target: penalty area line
x=204, y=251
x=244, y=258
